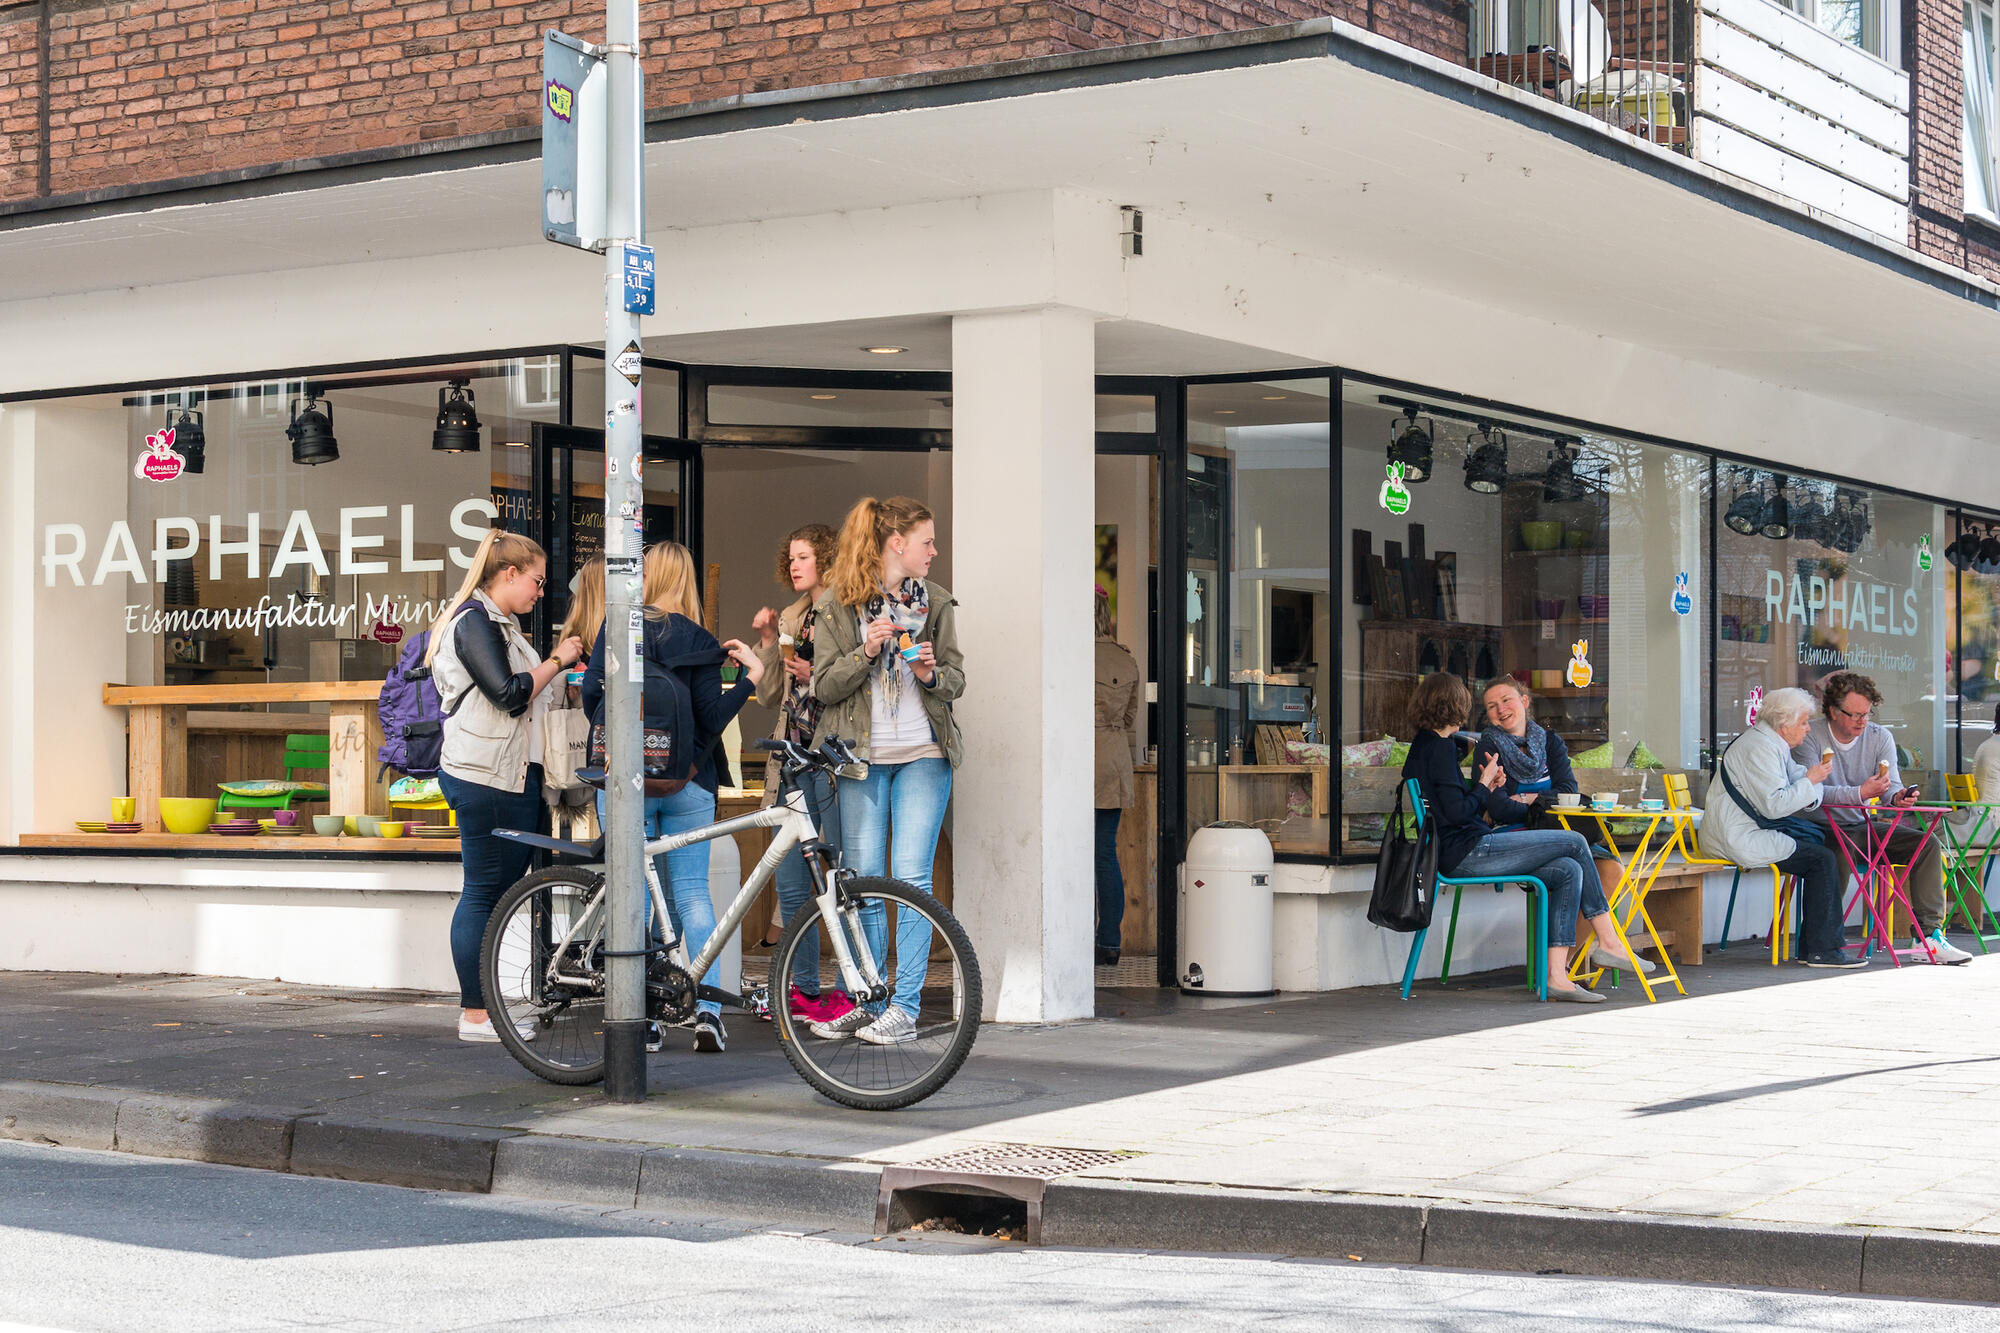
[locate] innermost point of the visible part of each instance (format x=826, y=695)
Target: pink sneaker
x=822, y=1008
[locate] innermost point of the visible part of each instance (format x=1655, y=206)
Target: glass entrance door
x=568, y=479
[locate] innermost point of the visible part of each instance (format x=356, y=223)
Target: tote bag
x=1405, y=873
x=565, y=747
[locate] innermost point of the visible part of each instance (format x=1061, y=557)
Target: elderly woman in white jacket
x=1758, y=786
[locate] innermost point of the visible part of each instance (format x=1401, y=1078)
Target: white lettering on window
x=299, y=533
x=460, y=527
x=352, y=541
x=119, y=556
x=251, y=546
x=72, y=559
x=412, y=565
x=162, y=552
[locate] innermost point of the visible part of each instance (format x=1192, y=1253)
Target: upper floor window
x=1982, y=179
x=1865, y=23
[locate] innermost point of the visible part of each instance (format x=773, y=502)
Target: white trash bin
x=1225, y=916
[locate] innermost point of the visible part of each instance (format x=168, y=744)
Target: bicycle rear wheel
x=943, y=983
x=532, y=978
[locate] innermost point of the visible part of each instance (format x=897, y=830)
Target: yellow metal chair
x=1678, y=799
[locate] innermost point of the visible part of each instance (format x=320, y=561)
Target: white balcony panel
x=1782, y=125
x=1757, y=62
x=1731, y=150
x=1814, y=46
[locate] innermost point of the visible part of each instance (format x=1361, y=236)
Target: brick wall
x=1931, y=35
x=153, y=90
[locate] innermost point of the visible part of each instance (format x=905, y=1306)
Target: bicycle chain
x=670, y=992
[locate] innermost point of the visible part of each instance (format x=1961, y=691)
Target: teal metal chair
x=1538, y=927
x=305, y=752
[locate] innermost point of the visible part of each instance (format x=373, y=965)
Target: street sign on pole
x=575, y=152
x=638, y=279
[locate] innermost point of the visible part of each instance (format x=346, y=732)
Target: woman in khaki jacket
x=1117, y=717
x=785, y=643
x=886, y=667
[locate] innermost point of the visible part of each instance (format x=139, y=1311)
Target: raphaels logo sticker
x=385, y=632
x=159, y=462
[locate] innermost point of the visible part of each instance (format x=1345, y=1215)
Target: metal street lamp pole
x=625, y=965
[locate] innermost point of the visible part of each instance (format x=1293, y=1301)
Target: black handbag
x=1405, y=873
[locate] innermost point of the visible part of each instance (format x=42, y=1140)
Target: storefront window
x=1815, y=577
x=1258, y=663
x=1972, y=600
x=1498, y=545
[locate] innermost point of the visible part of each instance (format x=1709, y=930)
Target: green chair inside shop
x=305, y=752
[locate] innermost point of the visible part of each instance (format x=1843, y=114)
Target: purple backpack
x=412, y=714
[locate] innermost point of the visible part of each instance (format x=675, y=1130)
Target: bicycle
x=542, y=959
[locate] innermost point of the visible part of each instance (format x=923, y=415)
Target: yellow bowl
x=389, y=828
x=186, y=814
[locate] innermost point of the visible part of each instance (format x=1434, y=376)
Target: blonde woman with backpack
x=886, y=668
x=493, y=687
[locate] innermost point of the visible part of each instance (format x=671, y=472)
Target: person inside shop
x=575, y=810
x=1470, y=845
x=1986, y=788
x=1116, y=735
x=674, y=630
x=886, y=669
x=1536, y=766
x=1760, y=810
x=1865, y=772
x=785, y=647
x=494, y=688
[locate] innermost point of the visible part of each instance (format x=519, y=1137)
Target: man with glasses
x=1864, y=769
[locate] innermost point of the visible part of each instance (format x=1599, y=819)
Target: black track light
x=457, y=429
x=190, y=440
x=1410, y=443
x=1746, y=512
x=311, y=431
x=1486, y=465
x=1777, y=520
x=1560, y=482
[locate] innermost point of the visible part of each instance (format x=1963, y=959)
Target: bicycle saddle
x=593, y=851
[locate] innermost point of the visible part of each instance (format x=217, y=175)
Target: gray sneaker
x=840, y=1029
x=894, y=1027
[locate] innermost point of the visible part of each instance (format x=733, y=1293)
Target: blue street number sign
x=638, y=279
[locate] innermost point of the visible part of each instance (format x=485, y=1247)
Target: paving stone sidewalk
x=1768, y=1095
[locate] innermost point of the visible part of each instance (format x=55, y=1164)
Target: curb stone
x=1077, y=1211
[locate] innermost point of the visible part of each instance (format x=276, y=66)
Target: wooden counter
x=158, y=727
x=216, y=842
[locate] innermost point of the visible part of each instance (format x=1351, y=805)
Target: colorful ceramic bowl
x=388, y=828
x=186, y=814
x=329, y=826
x=1545, y=535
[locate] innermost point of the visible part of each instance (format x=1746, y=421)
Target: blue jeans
x=794, y=880
x=1557, y=857
x=491, y=864
x=684, y=873
x=1110, y=882
x=908, y=800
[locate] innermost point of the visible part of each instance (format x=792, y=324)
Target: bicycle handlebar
x=833, y=754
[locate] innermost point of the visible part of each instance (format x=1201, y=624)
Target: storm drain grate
x=911, y=1191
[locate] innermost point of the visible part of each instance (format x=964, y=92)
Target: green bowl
x=1545, y=535
x=1576, y=538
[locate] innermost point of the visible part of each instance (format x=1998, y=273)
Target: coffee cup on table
x=123, y=809
x=285, y=818
x=1604, y=800
x=1569, y=800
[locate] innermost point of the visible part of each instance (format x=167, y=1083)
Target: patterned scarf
x=1526, y=758
x=908, y=607
x=802, y=710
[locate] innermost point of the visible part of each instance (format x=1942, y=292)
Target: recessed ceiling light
x=824, y=397
x=1225, y=411
x=885, y=350
x=1274, y=397
x=513, y=444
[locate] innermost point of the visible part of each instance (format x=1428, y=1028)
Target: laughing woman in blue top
x=1535, y=764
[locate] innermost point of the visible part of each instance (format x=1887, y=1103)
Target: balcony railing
x=1746, y=86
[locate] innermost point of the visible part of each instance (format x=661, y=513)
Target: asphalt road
x=104, y=1241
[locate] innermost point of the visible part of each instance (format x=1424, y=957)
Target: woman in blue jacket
x=1468, y=845
x=673, y=629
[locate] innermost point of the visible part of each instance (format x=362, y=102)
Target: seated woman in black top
x=1535, y=763
x=1469, y=846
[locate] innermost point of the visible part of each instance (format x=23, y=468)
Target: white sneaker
x=894, y=1027
x=483, y=1029
x=840, y=1029
x=1944, y=951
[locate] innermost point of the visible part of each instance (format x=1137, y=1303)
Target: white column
x=1023, y=479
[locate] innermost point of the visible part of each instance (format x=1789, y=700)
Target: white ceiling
x=1314, y=155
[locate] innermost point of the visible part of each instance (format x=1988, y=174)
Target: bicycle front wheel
x=542, y=968
x=924, y=957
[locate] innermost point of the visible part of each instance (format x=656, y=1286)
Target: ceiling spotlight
x=1225, y=411
x=1965, y=550
x=1746, y=512
x=1560, y=482
x=457, y=428
x=190, y=440
x=824, y=397
x=1275, y=397
x=1410, y=443
x=311, y=431
x=1988, y=560
x=1777, y=520
x=1486, y=465
x=885, y=350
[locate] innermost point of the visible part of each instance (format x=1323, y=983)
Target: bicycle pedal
x=759, y=1002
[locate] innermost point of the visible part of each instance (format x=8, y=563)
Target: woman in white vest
x=493, y=687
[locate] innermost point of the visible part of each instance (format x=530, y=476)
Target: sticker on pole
x=629, y=363
x=638, y=280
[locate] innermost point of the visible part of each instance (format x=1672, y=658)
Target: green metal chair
x=305, y=752
x=1538, y=926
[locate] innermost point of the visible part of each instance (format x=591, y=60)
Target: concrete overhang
x=1316, y=140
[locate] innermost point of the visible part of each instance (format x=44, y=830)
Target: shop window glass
x=828, y=405
x=1126, y=413
x=1258, y=664
x=659, y=397
x=1515, y=547
x=1815, y=577
x=1972, y=601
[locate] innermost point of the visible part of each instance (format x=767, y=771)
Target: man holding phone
x=1864, y=769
